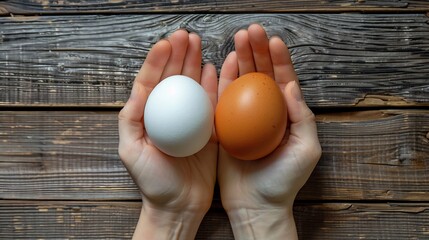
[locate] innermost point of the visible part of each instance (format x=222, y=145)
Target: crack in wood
x=382, y=100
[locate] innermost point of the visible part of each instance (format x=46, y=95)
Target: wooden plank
x=62, y=155
x=90, y=60
x=190, y=6
x=372, y=155
x=101, y=220
x=367, y=155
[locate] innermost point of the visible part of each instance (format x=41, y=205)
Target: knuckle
x=123, y=151
x=122, y=114
x=318, y=151
x=310, y=116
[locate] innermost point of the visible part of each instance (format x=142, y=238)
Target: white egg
x=178, y=116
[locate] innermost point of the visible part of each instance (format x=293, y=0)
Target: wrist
x=273, y=223
x=159, y=224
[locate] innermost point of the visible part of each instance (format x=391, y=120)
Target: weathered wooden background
x=66, y=69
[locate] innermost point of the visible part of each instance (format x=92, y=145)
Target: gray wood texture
x=189, y=6
x=367, y=155
x=342, y=60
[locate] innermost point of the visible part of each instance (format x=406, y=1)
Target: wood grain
x=116, y=220
x=190, y=6
x=342, y=60
x=62, y=155
x=367, y=155
x=372, y=155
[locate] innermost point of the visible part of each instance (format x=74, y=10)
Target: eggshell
x=178, y=116
x=251, y=116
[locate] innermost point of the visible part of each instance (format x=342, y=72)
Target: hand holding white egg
x=172, y=187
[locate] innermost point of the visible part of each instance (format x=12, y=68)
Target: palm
x=184, y=182
x=276, y=178
x=165, y=181
x=273, y=179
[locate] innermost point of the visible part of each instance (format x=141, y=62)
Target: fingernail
x=296, y=92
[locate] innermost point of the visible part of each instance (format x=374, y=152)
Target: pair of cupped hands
x=177, y=193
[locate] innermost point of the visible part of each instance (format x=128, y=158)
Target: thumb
x=302, y=120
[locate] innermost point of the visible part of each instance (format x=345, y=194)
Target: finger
x=151, y=71
x=228, y=73
x=192, y=64
x=302, y=120
x=179, y=44
x=260, y=46
x=131, y=115
x=243, y=49
x=284, y=71
x=209, y=82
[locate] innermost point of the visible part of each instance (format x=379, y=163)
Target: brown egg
x=251, y=116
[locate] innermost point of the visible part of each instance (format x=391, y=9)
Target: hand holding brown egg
x=259, y=194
